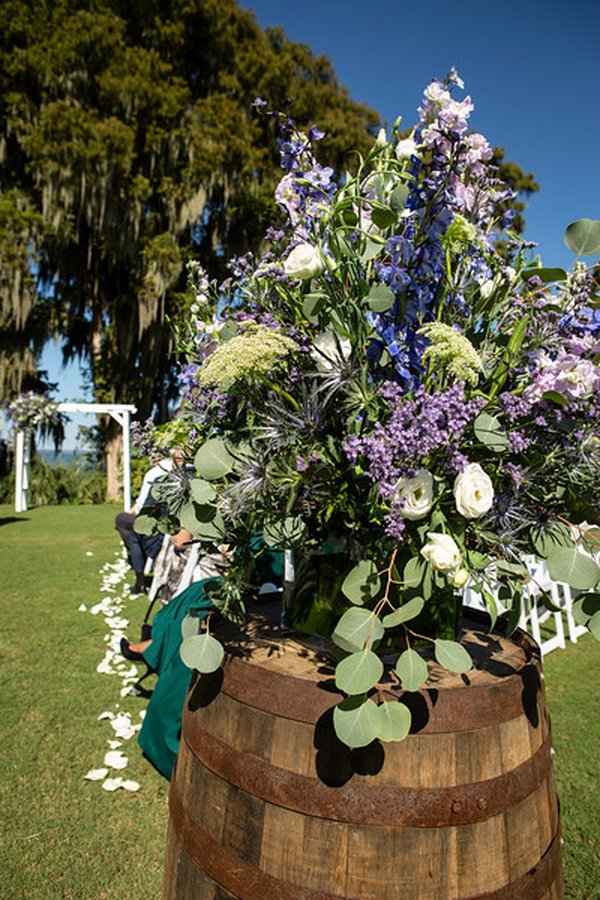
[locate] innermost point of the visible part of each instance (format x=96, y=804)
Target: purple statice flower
x=301, y=464
x=416, y=430
x=516, y=473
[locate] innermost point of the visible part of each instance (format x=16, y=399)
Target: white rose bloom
x=416, y=494
x=473, y=492
x=329, y=351
x=405, y=149
x=442, y=552
x=304, y=261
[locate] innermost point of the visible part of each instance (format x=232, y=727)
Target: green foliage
x=54, y=485
x=583, y=237
x=129, y=144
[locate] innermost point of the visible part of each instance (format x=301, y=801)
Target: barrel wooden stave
x=240, y=767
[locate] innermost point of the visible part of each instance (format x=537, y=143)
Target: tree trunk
x=114, y=462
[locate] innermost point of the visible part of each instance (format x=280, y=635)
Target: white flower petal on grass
x=122, y=727
x=106, y=715
x=114, y=744
x=82, y=608
x=96, y=774
x=115, y=759
x=142, y=713
x=130, y=786
x=112, y=784
x=88, y=553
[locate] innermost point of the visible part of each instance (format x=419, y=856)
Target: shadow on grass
x=10, y=519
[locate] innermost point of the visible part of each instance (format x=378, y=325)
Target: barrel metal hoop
x=361, y=802
x=243, y=879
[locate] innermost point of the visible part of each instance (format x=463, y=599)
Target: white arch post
x=120, y=412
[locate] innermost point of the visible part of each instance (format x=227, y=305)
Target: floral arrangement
x=37, y=412
x=398, y=381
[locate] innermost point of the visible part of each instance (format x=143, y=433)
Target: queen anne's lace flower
x=451, y=350
x=245, y=354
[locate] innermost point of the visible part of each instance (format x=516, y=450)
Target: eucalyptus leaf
x=569, y=565
x=213, y=460
x=583, y=237
x=202, y=491
x=546, y=275
x=394, y=721
x=362, y=583
x=412, y=670
x=404, y=613
x=359, y=672
x=371, y=249
x=380, y=298
x=555, y=397
x=356, y=721
x=189, y=626
x=490, y=432
x=227, y=331
x=146, y=522
x=586, y=606
x=383, y=218
x=283, y=534
x=313, y=304
x=399, y=197
x=452, y=656
x=203, y=520
x=594, y=625
x=548, y=540
x=202, y=652
x=414, y=571
x=357, y=628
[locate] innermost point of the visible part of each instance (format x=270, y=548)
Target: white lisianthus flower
x=381, y=137
x=405, y=149
x=473, y=492
x=415, y=494
x=330, y=351
x=442, y=552
x=305, y=261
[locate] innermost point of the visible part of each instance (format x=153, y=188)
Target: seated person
x=142, y=547
x=160, y=733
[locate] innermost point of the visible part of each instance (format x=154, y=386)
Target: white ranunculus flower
x=416, y=494
x=442, y=552
x=405, y=149
x=473, y=492
x=329, y=351
x=304, y=261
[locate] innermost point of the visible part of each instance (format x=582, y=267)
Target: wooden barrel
x=266, y=803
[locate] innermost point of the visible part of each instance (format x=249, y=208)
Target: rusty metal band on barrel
x=290, y=697
x=365, y=803
x=243, y=879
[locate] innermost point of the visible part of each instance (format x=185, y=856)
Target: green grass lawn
x=65, y=837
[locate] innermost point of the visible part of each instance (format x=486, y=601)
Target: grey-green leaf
x=362, y=583
x=545, y=275
x=583, y=237
x=189, y=626
x=404, y=613
x=201, y=491
x=394, y=721
x=567, y=564
x=213, y=460
x=412, y=670
x=356, y=721
x=356, y=629
x=594, y=625
x=453, y=656
x=380, y=298
x=202, y=652
x=490, y=432
x=359, y=672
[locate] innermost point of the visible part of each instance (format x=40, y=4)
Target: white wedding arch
x=120, y=412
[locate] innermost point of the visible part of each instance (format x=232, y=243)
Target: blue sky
x=531, y=68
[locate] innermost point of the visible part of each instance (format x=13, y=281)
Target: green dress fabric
x=161, y=729
x=159, y=736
